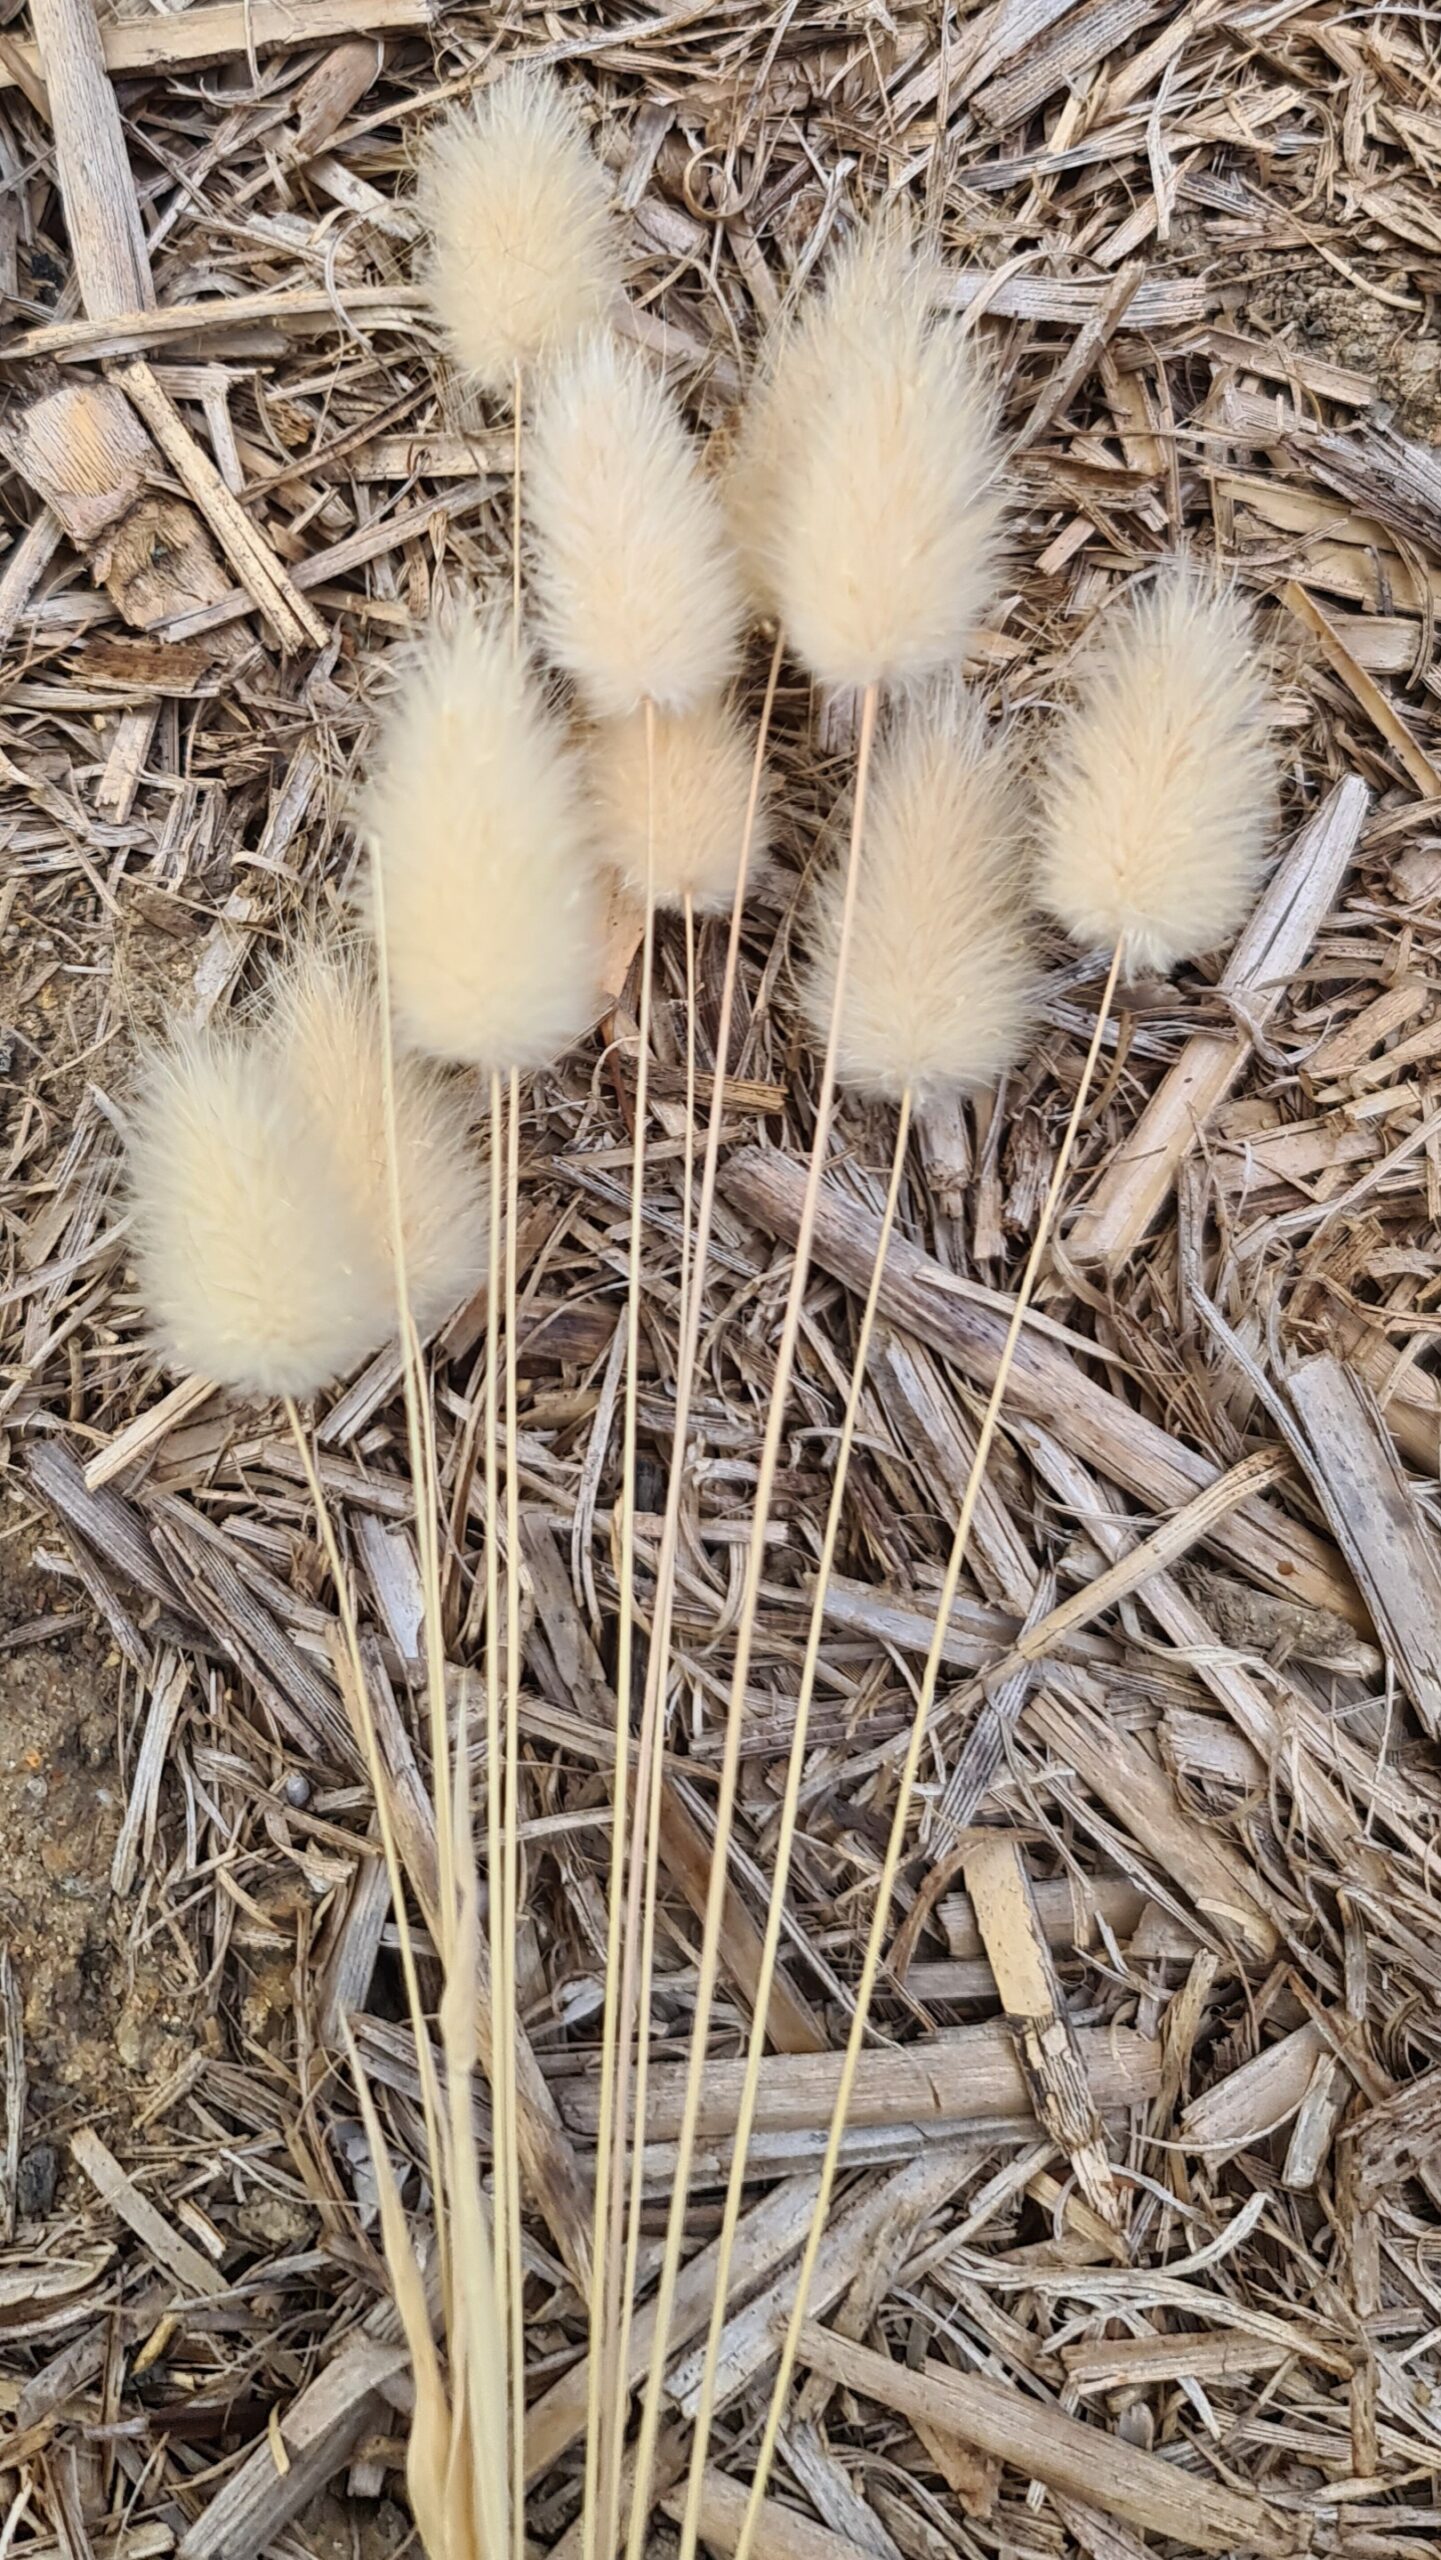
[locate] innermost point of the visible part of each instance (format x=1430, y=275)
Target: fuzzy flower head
x=482, y=849
x=1159, y=795
x=864, y=493
x=634, y=578
x=522, y=249
x=940, y=980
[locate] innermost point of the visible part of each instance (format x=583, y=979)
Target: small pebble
x=297, y=1789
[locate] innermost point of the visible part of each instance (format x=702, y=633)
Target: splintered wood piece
x=1046, y=2045
x=1039, y=2440
x=1395, y=2140
x=81, y=445
x=968, y=2076
x=260, y=573
x=1378, y=1523
x=968, y=1325
x=1303, y=889
x=1256, y=2099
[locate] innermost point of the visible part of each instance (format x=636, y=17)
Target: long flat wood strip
x=194, y=36
x=102, y=218
x=967, y=2076
x=1040, y=2440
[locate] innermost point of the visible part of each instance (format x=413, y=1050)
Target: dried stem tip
x=939, y=988
x=1160, y=790
x=482, y=850
x=864, y=492
x=326, y=1030
x=676, y=817
x=258, y=1267
x=522, y=252
x=634, y=577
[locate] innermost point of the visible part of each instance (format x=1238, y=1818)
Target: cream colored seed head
x=940, y=982
x=865, y=491
x=523, y=253
x=677, y=815
x=635, y=583
x=258, y=1267
x=482, y=849
x=1159, y=792
x=326, y=1032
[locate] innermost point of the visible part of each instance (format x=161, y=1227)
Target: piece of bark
x=1039, y=2440
x=1378, y=1523
x=968, y=1326
x=1302, y=891
x=1046, y=2044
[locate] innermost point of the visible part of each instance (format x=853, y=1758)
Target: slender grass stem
x=785, y=1842
x=735, y=1715
x=880, y=1918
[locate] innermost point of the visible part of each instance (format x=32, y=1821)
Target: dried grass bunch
x=939, y=987
x=518, y=216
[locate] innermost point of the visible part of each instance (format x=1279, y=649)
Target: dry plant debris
x=1139, y=2231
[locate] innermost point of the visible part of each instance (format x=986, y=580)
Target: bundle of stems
x=307, y=1185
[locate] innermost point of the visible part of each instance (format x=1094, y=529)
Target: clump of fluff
x=326, y=1031
x=483, y=851
x=940, y=979
x=864, y=493
x=1160, y=790
x=258, y=1267
x=634, y=579
x=523, y=253
x=676, y=816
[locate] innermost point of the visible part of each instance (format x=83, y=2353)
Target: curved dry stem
x=735, y=1712
x=880, y=1918
x=785, y=1842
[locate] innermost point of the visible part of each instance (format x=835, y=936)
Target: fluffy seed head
x=516, y=208
x=258, y=1267
x=326, y=1031
x=940, y=979
x=477, y=831
x=634, y=577
x=1160, y=791
x=679, y=816
x=864, y=494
